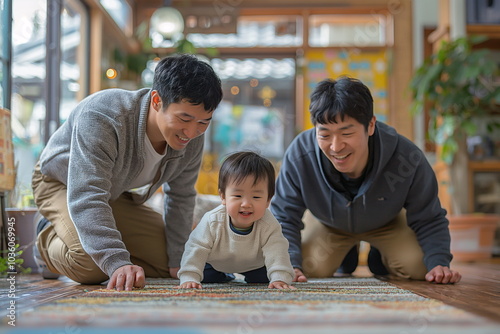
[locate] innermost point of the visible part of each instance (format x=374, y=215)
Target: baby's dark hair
x=237, y=166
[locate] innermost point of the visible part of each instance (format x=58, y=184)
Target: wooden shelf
x=491, y=165
x=484, y=165
x=492, y=31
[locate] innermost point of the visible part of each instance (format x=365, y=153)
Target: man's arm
x=428, y=219
x=94, y=148
x=288, y=208
x=275, y=250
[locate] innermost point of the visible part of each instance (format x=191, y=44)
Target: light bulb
x=167, y=21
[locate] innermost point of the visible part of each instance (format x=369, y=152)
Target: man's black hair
x=184, y=77
x=334, y=99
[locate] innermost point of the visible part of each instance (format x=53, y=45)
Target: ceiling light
x=167, y=21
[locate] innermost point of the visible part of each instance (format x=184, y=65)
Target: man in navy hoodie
x=363, y=182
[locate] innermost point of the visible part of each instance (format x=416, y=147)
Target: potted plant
x=460, y=87
x=12, y=262
x=460, y=84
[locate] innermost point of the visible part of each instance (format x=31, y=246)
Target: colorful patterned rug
x=337, y=305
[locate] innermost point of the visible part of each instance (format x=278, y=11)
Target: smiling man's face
x=345, y=144
x=176, y=124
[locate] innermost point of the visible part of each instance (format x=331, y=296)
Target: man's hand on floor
x=443, y=275
x=126, y=278
x=173, y=272
x=299, y=276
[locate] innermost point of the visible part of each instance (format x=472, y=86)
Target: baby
x=241, y=235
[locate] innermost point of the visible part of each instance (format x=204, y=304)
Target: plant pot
x=25, y=233
x=472, y=236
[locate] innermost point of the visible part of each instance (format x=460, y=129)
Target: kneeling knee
x=411, y=268
x=316, y=269
x=90, y=280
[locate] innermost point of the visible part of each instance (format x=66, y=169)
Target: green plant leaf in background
x=457, y=84
x=5, y=262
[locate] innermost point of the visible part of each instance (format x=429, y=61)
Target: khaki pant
x=324, y=248
x=142, y=231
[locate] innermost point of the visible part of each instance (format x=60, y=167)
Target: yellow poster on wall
x=371, y=67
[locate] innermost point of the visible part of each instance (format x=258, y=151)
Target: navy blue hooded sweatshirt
x=399, y=177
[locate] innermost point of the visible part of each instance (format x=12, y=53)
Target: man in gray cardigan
x=361, y=180
x=111, y=155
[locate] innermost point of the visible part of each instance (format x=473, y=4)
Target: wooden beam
x=95, y=50
x=400, y=61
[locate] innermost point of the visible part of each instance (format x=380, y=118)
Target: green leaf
x=448, y=102
x=457, y=82
x=185, y=46
x=449, y=148
x=425, y=84
x=476, y=39
x=470, y=72
x=212, y=52
x=417, y=107
x=469, y=127
x=497, y=98
x=18, y=261
x=491, y=127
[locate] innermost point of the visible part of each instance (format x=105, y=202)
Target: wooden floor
x=478, y=292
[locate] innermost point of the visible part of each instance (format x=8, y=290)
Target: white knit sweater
x=214, y=242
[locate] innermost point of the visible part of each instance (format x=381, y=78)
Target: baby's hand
x=189, y=285
x=280, y=285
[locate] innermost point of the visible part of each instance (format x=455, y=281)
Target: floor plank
x=32, y=291
x=478, y=291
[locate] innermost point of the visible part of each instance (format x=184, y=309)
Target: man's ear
x=371, y=126
x=156, y=100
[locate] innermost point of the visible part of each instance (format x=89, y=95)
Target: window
x=258, y=107
x=28, y=87
x=42, y=80
x=257, y=113
x=121, y=13
x=263, y=30
x=348, y=30
x=74, y=60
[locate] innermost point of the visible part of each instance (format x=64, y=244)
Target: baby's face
x=246, y=202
